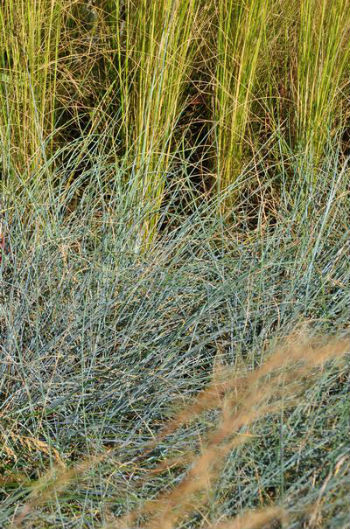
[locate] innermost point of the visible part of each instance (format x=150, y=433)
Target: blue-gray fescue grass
x=101, y=346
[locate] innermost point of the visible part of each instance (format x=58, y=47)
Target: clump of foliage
x=174, y=353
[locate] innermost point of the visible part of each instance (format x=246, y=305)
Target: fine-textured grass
x=321, y=72
x=305, y=78
x=173, y=353
x=101, y=347
x=240, y=43
x=269, y=74
x=155, y=51
x=29, y=40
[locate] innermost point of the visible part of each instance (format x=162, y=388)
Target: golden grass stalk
x=29, y=40
x=322, y=60
x=240, y=40
x=304, y=86
x=156, y=48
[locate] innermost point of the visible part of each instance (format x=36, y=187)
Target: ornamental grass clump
x=155, y=52
x=240, y=44
x=322, y=53
x=29, y=39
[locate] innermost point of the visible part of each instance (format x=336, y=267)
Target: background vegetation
x=174, y=301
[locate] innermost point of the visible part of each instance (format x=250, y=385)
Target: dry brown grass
x=253, y=519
